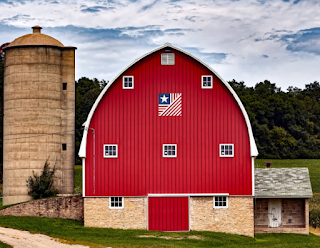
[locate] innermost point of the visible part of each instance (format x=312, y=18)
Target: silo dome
x=36, y=39
x=39, y=113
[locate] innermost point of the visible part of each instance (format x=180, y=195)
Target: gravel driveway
x=24, y=239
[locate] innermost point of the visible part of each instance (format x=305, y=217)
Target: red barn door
x=168, y=213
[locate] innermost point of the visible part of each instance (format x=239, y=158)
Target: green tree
x=42, y=186
x=87, y=91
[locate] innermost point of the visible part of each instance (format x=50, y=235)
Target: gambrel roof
x=253, y=146
x=282, y=183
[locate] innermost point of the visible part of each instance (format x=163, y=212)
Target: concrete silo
x=39, y=113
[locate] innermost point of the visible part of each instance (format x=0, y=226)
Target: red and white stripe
x=175, y=108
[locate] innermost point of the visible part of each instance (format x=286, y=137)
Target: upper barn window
x=127, y=82
x=206, y=82
x=169, y=150
x=226, y=150
x=110, y=151
x=167, y=58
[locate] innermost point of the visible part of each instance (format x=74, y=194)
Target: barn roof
x=282, y=183
x=253, y=147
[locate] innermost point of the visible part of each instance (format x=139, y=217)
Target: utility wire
x=27, y=137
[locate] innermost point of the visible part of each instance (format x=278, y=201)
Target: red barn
x=168, y=146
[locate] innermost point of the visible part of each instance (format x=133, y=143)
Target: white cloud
x=244, y=30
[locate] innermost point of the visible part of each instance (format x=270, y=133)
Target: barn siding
x=130, y=119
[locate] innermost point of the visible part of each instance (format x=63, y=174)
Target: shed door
x=275, y=212
x=168, y=213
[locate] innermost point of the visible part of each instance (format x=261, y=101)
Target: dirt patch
x=24, y=239
x=315, y=231
x=173, y=238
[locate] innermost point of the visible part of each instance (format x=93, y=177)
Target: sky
x=245, y=40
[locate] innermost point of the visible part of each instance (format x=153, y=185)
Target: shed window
x=167, y=58
x=169, y=150
x=127, y=82
x=110, y=151
x=220, y=202
x=116, y=202
x=226, y=150
x=206, y=82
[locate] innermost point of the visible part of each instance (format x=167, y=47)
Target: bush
x=42, y=186
x=314, y=218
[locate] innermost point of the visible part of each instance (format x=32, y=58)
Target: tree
x=42, y=186
x=87, y=91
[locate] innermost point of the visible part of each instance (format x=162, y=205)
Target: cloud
x=264, y=56
x=307, y=40
x=18, y=17
x=207, y=57
x=96, y=9
x=148, y=6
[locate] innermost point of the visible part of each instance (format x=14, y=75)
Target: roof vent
x=37, y=29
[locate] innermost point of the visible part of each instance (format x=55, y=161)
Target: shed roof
x=282, y=183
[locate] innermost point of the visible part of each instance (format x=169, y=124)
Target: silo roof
x=36, y=39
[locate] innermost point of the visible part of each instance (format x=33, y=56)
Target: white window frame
x=167, y=60
x=122, y=201
x=169, y=156
x=223, y=155
x=128, y=87
x=214, y=202
x=206, y=87
x=110, y=156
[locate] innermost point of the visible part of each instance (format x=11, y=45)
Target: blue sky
x=245, y=40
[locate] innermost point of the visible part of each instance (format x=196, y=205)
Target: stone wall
x=295, y=209
x=133, y=216
x=70, y=207
x=236, y=219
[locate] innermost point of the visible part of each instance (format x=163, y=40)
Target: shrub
x=314, y=218
x=42, y=186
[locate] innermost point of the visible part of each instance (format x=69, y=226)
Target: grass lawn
x=312, y=164
x=74, y=232
x=3, y=245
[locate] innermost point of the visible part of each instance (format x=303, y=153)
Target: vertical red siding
x=168, y=213
x=130, y=119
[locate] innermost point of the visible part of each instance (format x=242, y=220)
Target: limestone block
x=23, y=164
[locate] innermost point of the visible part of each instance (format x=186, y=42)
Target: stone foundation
x=133, y=216
x=70, y=207
x=236, y=219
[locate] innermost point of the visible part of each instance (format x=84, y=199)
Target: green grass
x=3, y=245
x=74, y=232
x=312, y=164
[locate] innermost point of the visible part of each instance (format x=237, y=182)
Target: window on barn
x=206, y=82
x=127, y=82
x=110, y=151
x=169, y=150
x=226, y=150
x=116, y=202
x=220, y=202
x=167, y=58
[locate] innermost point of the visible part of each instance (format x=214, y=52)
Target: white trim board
x=184, y=195
x=86, y=124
